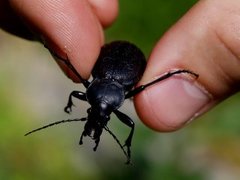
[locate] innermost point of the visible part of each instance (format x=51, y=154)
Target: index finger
x=67, y=27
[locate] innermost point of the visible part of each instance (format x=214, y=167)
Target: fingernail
x=176, y=100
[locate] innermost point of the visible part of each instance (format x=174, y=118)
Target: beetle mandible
x=118, y=69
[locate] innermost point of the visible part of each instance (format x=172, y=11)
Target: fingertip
x=170, y=104
x=106, y=10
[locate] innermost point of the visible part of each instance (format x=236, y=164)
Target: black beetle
x=118, y=69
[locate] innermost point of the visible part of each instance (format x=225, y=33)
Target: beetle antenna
x=55, y=123
x=121, y=146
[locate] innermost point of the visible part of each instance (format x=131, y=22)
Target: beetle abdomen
x=120, y=61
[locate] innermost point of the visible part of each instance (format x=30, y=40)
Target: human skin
x=205, y=40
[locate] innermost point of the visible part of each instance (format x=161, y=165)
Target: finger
x=106, y=10
x=70, y=28
x=202, y=43
x=11, y=23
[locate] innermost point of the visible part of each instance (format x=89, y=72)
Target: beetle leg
x=70, y=66
x=165, y=76
x=77, y=94
x=129, y=122
x=81, y=138
x=96, y=143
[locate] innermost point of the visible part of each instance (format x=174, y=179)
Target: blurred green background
x=34, y=91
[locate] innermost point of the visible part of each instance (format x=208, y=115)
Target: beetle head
x=98, y=116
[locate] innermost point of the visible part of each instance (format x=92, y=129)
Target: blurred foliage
x=34, y=92
x=144, y=22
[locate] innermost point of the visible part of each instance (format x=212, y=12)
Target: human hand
x=64, y=26
x=205, y=41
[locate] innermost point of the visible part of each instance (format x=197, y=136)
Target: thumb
x=202, y=43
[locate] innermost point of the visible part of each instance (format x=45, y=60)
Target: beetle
x=117, y=71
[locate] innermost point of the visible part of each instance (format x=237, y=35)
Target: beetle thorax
x=107, y=92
